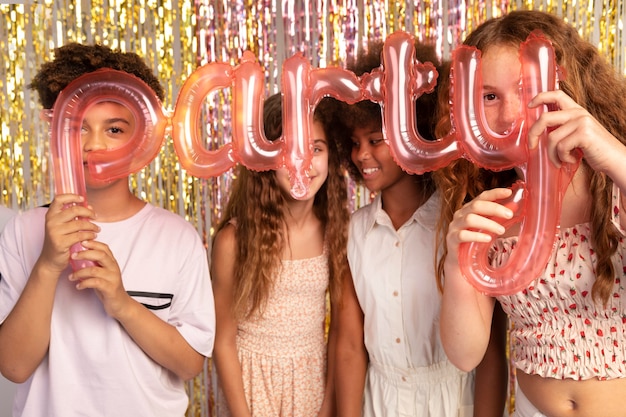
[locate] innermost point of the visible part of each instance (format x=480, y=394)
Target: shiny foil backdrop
x=175, y=37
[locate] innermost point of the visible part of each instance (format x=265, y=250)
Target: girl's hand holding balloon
x=572, y=130
x=67, y=223
x=477, y=215
x=105, y=277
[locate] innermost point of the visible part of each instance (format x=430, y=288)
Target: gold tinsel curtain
x=176, y=37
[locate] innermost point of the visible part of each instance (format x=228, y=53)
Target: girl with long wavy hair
x=567, y=337
x=274, y=258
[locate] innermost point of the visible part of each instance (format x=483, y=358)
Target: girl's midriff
x=572, y=398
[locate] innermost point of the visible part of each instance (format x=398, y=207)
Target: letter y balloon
x=536, y=200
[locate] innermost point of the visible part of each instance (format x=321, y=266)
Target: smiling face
x=371, y=155
x=501, y=87
x=106, y=125
x=319, y=166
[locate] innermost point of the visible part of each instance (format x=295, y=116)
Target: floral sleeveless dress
x=283, y=351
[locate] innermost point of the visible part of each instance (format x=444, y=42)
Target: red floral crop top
x=558, y=331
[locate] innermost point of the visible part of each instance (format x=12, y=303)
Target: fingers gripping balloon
x=396, y=86
x=536, y=202
x=302, y=89
x=66, y=125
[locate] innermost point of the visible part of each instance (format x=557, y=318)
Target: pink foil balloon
x=396, y=86
x=480, y=144
x=188, y=142
x=302, y=89
x=251, y=147
x=536, y=202
x=151, y=123
x=66, y=125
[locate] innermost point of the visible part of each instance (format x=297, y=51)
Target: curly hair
x=260, y=225
x=590, y=81
x=367, y=113
x=74, y=59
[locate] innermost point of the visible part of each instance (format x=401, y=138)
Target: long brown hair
x=594, y=84
x=256, y=204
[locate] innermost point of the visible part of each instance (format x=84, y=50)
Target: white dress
x=393, y=272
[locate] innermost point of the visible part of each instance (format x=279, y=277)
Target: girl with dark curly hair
x=119, y=337
x=390, y=360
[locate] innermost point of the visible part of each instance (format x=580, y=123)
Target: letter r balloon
x=302, y=89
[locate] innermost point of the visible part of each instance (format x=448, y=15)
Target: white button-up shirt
x=394, y=279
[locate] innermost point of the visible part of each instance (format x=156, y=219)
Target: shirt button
x=398, y=340
x=397, y=244
x=404, y=379
x=395, y=293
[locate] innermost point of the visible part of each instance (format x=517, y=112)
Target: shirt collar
x=426, y=215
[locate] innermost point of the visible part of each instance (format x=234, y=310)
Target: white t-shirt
x=6, y=214
x=93, y=367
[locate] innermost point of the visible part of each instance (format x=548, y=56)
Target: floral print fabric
x=558, y=330
x=283, y=351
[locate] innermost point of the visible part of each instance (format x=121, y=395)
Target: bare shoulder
x=225, y=240
x=223, y=254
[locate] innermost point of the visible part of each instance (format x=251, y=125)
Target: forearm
x=161, y=341
x=230, y=379
x=25, y=333
x=465, y=321
x=351, y=368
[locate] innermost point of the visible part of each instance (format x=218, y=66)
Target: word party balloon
x=66, y=127
x=395, y=86
x=536, y=201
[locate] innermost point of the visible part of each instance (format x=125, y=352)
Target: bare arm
x=25, y=333
x=466, y=314
x=490, y=390
x=225, y=353
x=351, y=363
x=329, y=407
